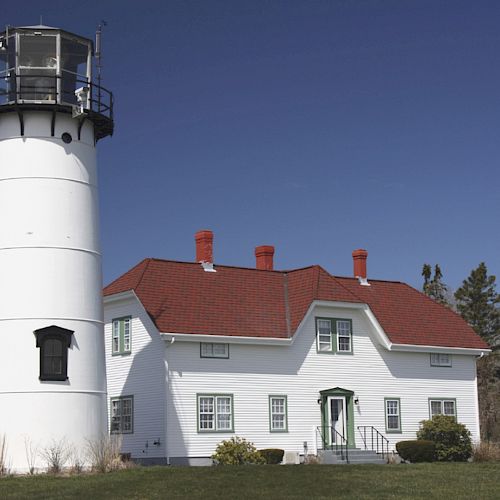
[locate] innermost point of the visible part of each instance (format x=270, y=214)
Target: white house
x=298, y=360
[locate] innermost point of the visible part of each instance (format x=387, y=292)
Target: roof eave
x=117, y=297
x=471, y=351
x=232, y=339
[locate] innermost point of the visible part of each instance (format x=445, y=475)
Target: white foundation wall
x=252, y=373
x=140, y=374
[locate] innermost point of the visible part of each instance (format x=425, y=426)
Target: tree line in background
x=477, y=301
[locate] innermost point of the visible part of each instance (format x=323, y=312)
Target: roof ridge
x=139, y=280
x=369, y=279
x=316, y=281
x=332, y=277
x=287, y=305
x=280, y=271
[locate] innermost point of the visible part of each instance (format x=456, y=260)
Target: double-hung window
x=439, y=359
x=121, y=336
x=334, y=335
x=392, y=415
x=122, y=415
x=324, y=335
x=215, y=412
x=344, y=335
x=278, y=418
x=442, y=407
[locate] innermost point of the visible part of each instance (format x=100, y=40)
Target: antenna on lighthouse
x=98, y=51
x=98, y=56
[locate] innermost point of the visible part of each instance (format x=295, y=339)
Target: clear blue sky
x=315, y=126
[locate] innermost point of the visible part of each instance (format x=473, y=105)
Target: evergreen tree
x=435, y=288
x=477, y=302
x=426, y=273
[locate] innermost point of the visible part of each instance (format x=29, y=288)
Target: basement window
x=53, y=342
x=209, y=350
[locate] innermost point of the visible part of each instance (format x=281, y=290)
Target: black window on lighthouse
x=53, y=342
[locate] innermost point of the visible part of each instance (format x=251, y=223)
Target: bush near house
x=486, y=451
x=417, y=450
x=452, y=439
x=237, y=451
x=272, y=456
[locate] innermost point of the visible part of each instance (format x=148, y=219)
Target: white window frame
x=396, y=414
x=319, y=341
x=283, y=413
x=344, y=336
x=121, y=335
x=442, y=402
x=216, y=413
x=208, y=350
x=440, y=359
x=118, y=418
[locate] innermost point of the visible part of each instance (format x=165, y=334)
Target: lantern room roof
x=47, y=28
x=38, y=26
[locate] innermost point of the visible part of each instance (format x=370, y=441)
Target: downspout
x=167, y=392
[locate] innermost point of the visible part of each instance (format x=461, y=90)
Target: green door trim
x=349, y=397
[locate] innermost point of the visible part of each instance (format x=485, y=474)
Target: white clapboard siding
x=142, y=375
x=253, y=372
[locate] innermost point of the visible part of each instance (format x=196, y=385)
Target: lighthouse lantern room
x=52, y=370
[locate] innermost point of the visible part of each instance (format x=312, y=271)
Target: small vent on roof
x=208, y=267
x=363, y=281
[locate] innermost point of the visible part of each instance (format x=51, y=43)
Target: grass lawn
x=441, y=481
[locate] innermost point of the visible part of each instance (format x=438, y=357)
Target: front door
x=337, y=421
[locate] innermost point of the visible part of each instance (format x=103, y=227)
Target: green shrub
x=272, y=456
x=237, y=451
x=453, y=440
x=417, y=450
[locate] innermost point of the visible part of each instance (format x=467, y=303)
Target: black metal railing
x=374, y=440
x=333, y=440
x=46, y=88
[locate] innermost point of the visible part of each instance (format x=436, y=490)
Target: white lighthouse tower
x=52, y=369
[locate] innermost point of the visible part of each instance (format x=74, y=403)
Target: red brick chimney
x=204, y=252
x=359, y=261
x=264, y=257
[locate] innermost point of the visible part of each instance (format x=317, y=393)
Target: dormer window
x=53, y=342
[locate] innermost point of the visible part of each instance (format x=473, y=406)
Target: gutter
x=232, y=339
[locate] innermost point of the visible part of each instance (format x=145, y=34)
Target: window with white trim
x=211, y=350
x=324, y=335
x=440, y=359
x=122, y=415
x=344, y=335
x=392, y=415
x=215, y=412
x=278, y=418
x=442, y=407
x=121, y=335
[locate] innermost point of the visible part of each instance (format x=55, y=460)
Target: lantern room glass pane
x=74, y=56
x=37, y=68
x=74, y=71
x=37, y=51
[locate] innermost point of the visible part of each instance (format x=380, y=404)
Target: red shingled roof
x=181, y=297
